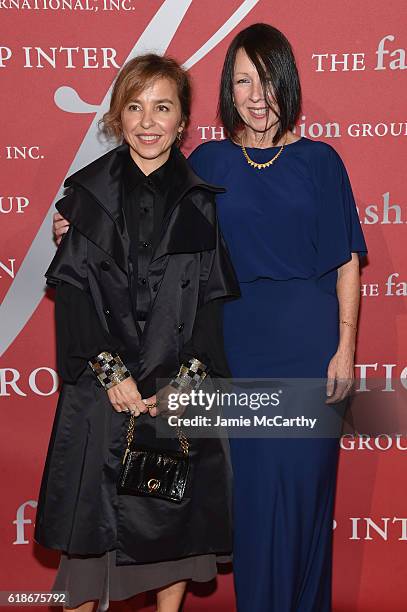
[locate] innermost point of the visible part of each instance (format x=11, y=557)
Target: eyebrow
x=164, y=100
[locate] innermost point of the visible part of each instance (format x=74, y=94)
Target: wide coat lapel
x=94, y=207
x=185, y=228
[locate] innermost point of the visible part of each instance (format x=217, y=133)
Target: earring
x=179, y=135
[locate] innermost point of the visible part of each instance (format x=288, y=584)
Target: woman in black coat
x=139, y=278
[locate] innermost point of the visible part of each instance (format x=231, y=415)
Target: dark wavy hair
x=273, y=57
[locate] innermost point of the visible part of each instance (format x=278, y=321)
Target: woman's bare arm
x=341, y=366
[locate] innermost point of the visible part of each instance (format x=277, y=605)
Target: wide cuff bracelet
x=109, y=369
x=190, y=376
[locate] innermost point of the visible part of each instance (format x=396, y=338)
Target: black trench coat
x=79, y=510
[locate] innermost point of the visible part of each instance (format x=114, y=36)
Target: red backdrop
x=57, y=62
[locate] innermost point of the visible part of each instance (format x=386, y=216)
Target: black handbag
x=152, y=472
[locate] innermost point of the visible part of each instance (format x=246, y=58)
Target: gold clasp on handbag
x=153, y=484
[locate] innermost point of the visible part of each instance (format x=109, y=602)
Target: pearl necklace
x=266, y=164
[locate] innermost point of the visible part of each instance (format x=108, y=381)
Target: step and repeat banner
x=58, y=59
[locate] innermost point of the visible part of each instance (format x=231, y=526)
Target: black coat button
x=180, y=327
x=105, y=265
x=143, y=281
x=146, y=245
x=107, y=312
x=185, y=283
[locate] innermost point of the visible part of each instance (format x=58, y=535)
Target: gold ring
x=154, y=405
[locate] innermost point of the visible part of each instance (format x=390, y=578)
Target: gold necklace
x=266, y=164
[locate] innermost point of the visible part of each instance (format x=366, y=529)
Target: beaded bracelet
x=109, y=369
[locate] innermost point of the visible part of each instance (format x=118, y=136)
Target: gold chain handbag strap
x=183, y=440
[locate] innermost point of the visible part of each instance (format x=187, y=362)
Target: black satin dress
x=80, y=336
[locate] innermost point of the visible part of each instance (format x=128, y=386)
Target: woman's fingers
x=125, y=396
x=134, y=410
x=141, y=407
x=342, y=389
x=118, y=406
x=134, y=404
x=332, y=381
x=167, y=407
x=340, y=376
x=346, y=388
x=59, y=222
x=151, y=405
x=60, y=226
x=330, y=386
x=155, y=409
x=127, y=408
x=150, y=400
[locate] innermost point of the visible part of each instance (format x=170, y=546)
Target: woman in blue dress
x=291, y=225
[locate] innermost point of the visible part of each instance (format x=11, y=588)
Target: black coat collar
x=100, y=178
x=97, y=213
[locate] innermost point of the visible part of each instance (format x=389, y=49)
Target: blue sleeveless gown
x=288, y=228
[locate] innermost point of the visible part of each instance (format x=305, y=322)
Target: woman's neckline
x=301, y=138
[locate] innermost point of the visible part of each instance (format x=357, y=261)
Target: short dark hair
x=273, y=57
x=135, y=75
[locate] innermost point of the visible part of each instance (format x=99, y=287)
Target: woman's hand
x=60, y=226
x=161, y=400
x=125, y=397
x=340, y=375
x=151, y=404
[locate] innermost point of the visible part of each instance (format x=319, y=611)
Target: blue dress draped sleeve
x=297, y=219
x=339, y=230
